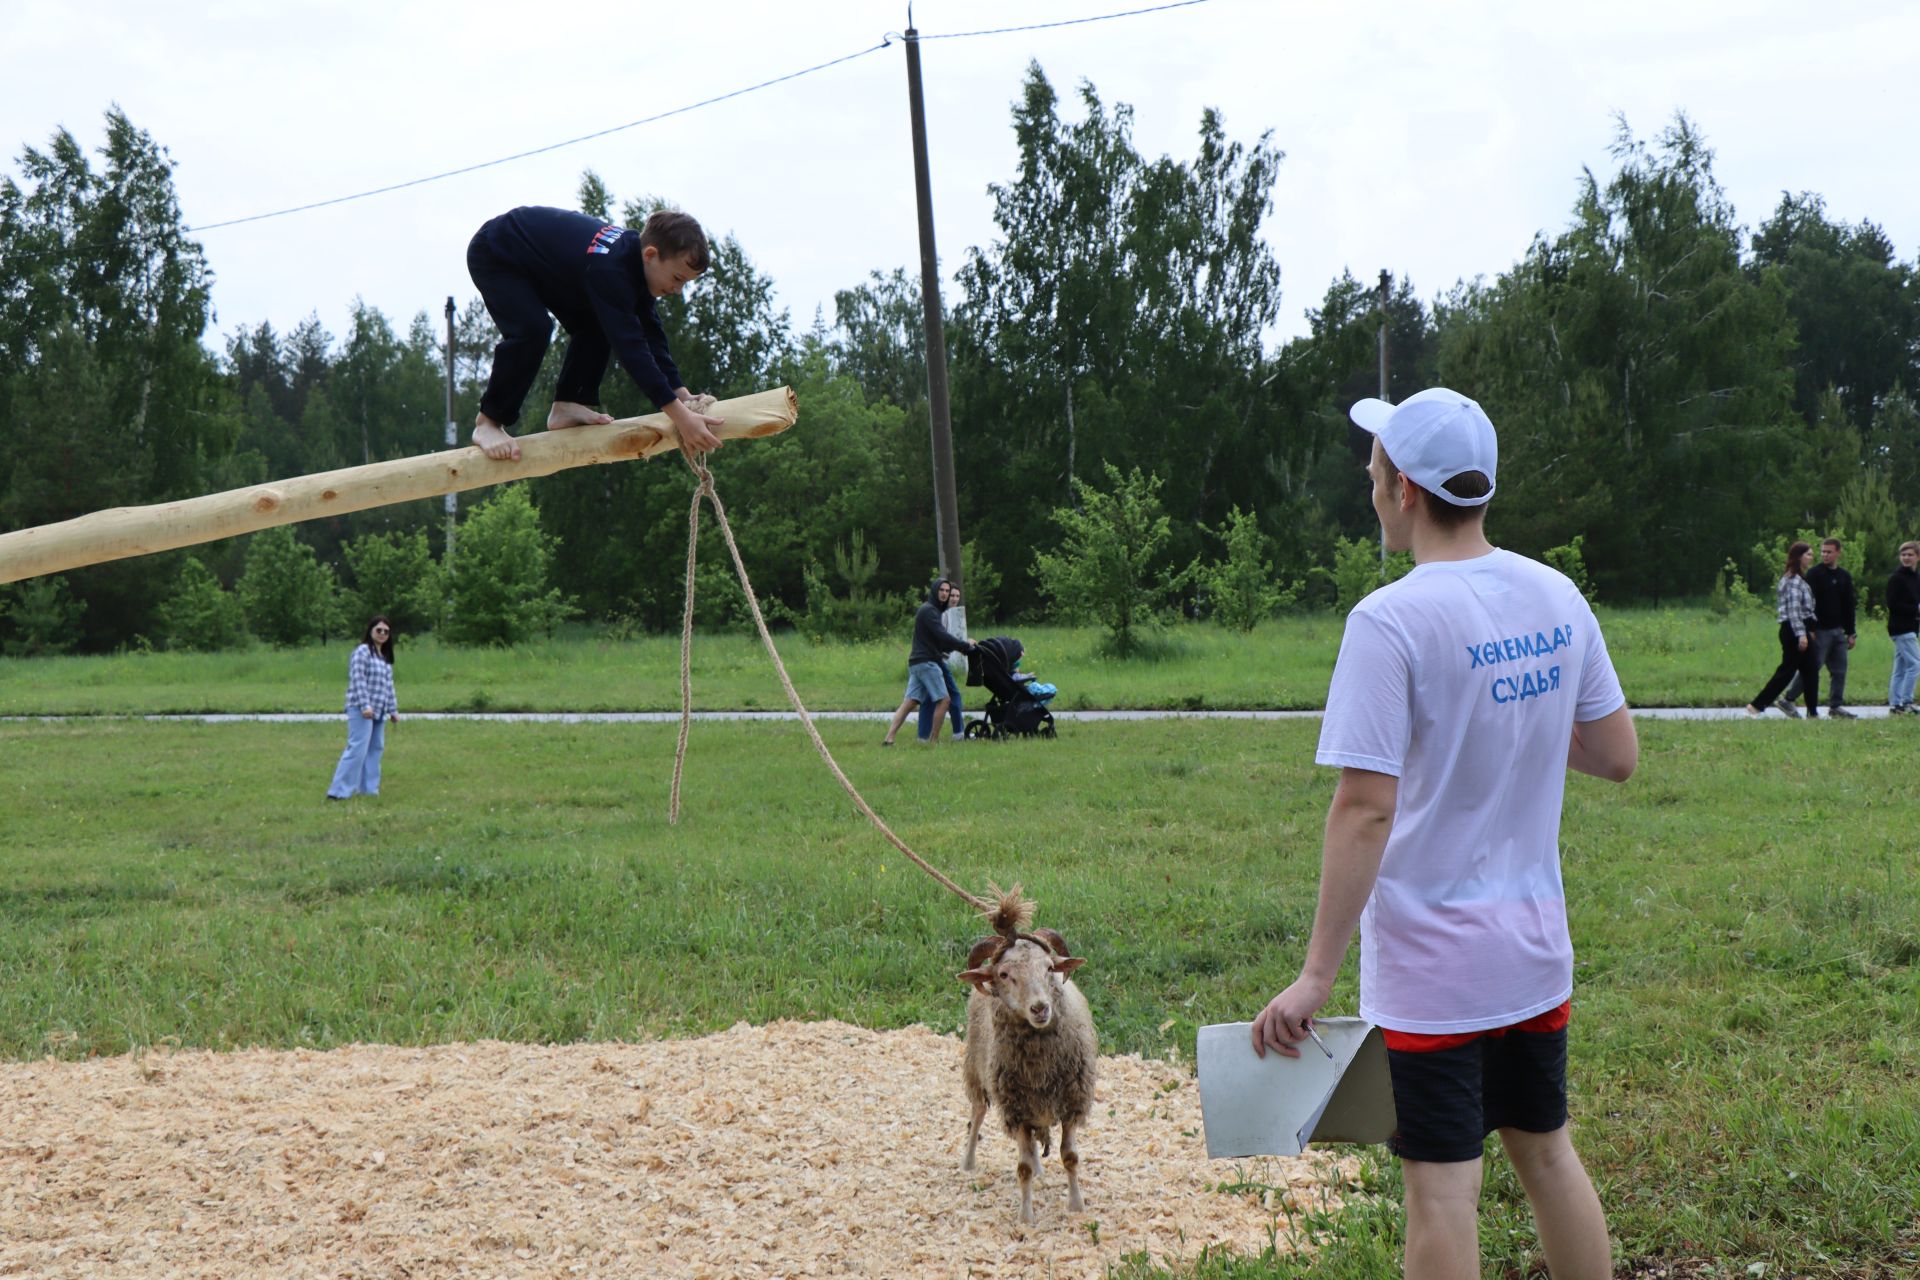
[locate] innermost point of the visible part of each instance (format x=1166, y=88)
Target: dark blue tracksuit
x=587, y=273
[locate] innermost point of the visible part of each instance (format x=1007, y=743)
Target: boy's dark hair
x=1444, y=514
x=1831, y=542
x=676, y=235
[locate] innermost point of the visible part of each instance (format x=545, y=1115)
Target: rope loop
x=704, y=489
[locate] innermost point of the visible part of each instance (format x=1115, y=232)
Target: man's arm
x=945, y=639
x=1358, y=823
x=1852, y=599
x=1606, y=748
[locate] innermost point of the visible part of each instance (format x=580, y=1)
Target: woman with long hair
x=1793, y=605
x=370, y=705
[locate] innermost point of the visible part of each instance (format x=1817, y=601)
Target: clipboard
x=1275, y=1106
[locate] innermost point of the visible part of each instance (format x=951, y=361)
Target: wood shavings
x=782, y=1151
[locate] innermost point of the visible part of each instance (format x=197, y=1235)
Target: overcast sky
x=1432, y=139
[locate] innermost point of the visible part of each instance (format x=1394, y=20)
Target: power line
x=555, y=146
x=885, y=42
x=1066, y=22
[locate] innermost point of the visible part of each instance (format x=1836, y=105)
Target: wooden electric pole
x=453, y=439
x=946, y=511
x=1384, y=289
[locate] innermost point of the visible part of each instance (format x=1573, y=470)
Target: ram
x=1031, y=1050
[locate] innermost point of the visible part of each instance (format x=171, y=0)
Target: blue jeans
x=953, y=708
x=1906, y=667
x=359, y=767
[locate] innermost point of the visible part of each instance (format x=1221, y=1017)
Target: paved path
x=673, y=717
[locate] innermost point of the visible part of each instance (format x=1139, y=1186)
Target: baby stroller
x=1019, y=702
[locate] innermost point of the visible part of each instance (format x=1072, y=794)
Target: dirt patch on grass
x=793, y=1149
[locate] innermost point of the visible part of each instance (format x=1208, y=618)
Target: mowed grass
x=1746, y=1041
x=1666, y=657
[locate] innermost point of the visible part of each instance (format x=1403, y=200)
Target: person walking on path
x=1834, y=603
x=1462, y=695
x=1793, y=605
x=955, y=621
x=1903, y=622
x=370, y=706
x=925, y=684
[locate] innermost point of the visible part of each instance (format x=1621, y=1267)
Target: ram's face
x=1028, y=979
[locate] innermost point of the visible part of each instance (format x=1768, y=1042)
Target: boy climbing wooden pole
x=533, y=265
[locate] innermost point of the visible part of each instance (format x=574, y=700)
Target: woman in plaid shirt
x=1793, y=600
x=370, y=704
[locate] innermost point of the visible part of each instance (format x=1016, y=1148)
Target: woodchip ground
x=786, y=1150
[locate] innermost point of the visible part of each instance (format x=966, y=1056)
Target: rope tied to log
x=704, y=491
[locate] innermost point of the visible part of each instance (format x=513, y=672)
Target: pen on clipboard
x=1317, y=1040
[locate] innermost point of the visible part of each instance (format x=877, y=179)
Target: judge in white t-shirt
x=1462, y=695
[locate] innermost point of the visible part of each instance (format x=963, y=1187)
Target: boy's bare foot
x=493, y=440
x=568, y=414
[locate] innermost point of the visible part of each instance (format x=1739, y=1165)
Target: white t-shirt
x=1464, y=680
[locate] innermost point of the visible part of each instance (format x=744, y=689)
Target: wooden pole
x=121, y=532
x=946, y=505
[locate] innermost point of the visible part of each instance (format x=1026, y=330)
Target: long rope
x=706, y=490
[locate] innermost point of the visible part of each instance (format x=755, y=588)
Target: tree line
x=1673, y=391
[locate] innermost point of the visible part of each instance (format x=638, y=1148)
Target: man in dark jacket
x=925, y=680
x=1833, y=635
x=1903, y=624
x=600, y=281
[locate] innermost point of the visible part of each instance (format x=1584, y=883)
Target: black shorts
x=1448, y=1099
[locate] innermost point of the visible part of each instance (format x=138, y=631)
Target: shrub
x=497, y=588
x=1357, y=571
x=860, y=614
x=392, y=574
x=1568, y=559
x=1240, y=590
x=980, y=585
x=201, y=614
x=1730, y=596
x=1106, y=567
x=42, y=617
x=288, y=596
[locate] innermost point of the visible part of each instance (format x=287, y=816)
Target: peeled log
x=120, y=532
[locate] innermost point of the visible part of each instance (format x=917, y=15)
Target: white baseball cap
x=1433, y=436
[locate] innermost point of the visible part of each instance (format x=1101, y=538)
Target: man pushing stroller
x=926, y=676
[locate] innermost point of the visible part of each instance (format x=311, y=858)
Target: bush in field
x=42, y=617
x=201, y=614
x=860, y=614
x=980, y=585
x=1357, y=571
x=1730, y=597
x=288, y=596
x=1240, y=590
x=1106, y=568
x=1571, y=560
x=497, y=589
x=1766, y=561
x=393, y=573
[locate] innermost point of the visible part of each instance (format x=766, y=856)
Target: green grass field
x=1687, y=658
x=1746, y=1041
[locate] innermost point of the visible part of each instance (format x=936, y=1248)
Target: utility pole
x=945, y=502
x=453, y=436
x=1385, y=286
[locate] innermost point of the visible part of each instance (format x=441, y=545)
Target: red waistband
x=1415, y=1042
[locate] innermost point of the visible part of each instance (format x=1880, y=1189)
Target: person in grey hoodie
x=925, y=681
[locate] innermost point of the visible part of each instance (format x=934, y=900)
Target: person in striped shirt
x=370, y=706
x=1793, y=606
